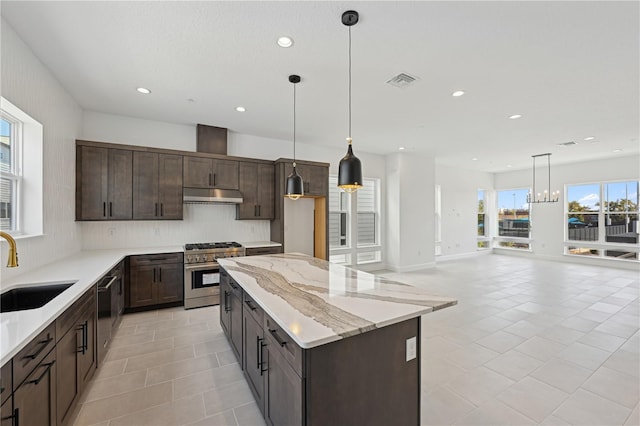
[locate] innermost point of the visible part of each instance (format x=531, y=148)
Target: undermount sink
x=31, y=297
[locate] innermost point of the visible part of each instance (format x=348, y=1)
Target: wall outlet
x=411, y=348
x=111, y=232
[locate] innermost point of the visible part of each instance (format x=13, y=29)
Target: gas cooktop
x=212, y=246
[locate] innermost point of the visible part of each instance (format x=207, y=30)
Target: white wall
x=29, y=85
x=201, y=222
x=459, y=195
x=547, y=220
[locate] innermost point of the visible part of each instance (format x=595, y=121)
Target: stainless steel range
x=202, y=272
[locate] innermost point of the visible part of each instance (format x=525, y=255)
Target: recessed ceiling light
x=515, y=116
x=474, y=159
x=241, y=109
x=191, y=100
x=617, y=150
x=285, y=41
x=401, y=148
x=457, y=93
x=589, y=138
x=509, y=166
x=143, y=90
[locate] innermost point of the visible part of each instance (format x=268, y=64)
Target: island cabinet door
x=253, y=354
x=236, y=324
x=284, y=396
x=225, y=309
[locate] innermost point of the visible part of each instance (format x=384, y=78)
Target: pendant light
x=295, y=188
x=547, y=196
x=350, y=168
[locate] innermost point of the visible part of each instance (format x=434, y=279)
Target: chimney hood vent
x=211, y=196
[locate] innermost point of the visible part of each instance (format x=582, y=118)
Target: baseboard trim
x=412, y=268
x=459, y=256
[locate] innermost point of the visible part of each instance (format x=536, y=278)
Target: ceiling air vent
x=570, y=143
x=401, y=80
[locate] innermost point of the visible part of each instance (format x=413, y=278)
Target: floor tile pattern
x=530, y=342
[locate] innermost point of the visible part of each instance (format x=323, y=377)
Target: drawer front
x=279, y=341
x=6, y=386
x=69, y=317
x=31, y=355
x=250, y=306
x=151, y=259
x=235, y=288
x=257, y=251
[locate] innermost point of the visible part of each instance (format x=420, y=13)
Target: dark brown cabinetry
x=315, y=179
x=103, y=183
x=253, y=353
x=34, y=401
x=75, y=353
x=156, y=279
x=231, y=312
x=157, y=186
x=7, y=413
x=203, y=172
x=257, y=188
x=259, y=251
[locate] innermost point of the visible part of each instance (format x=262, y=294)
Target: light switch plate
x=411, y=348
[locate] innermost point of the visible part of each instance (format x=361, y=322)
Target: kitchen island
x=323, y=344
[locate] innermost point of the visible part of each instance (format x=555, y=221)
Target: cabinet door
x=67, y=351
x=170, y=186
x=249, y=188
x=225, y=174
x=142, y=285
x=7, y=414
x=35, y=399
x=284, y=397
x=197, y=172
x=266, y=191
x=145, y=185
x=87, y=355
x=120, y=184
x=170, y=283
x=319, y=181
x=235, y=305
x=92, y=184
x=253, y=350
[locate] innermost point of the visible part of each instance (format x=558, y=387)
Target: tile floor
x=530, y=342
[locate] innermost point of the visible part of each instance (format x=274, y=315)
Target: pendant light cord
x=349, y=85
x=294, y=125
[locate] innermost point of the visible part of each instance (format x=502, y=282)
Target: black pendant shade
x=350, y=168
x=294, y=187
x=350, y=172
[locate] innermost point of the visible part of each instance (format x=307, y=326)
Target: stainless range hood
x=211, y=196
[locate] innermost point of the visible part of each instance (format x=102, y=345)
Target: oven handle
x=200, y=266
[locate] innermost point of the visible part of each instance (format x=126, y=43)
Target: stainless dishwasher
x=107, y=312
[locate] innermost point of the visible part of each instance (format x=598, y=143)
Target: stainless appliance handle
x=200, y=266
x=102, y=289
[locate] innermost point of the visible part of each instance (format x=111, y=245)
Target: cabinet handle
x=259, y=210
x=104, y=209
x=258, y=367
x=110, y=209
x=81, y=347
x=156, y=210
x=43, y=344
x=214, y=179
x=85, y=338
x=154, y=275
x=15, y=416
x=262, y=363
x=250, y=305
x=233, y=285
x=210, y=183
x=39, y=379
x=159, y=274
x=226, y=301
x=161, y=209
x=274, y=333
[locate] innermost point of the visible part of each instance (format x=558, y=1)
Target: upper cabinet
x=314, y=178
x=200, y=172
x=157, y=186
x=103, y=183
x=257, y=188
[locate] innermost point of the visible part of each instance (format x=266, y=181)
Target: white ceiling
x=570, y=68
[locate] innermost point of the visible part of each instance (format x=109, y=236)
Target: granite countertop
x=318, y=302
x=257, y=244
x=84, y=268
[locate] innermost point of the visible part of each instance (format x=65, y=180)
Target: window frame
x=498, y=239
x=14, y=174
x=483, y=241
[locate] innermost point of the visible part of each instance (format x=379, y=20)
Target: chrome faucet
x=12, y=262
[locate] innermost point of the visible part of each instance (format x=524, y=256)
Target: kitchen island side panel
x=365, y=379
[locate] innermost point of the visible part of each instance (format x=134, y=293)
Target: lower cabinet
x=7, y=413
x=284, y=394
x=231, y=312
x=259, y=251
x=34, y=401
x=156, y=279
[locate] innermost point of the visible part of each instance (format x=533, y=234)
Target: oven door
x=201, y=279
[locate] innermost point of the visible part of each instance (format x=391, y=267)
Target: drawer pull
x=227, y=308
x=274, y=333
x=15, y=416
x=43, y=344
x=250, y=305
x=39, y=379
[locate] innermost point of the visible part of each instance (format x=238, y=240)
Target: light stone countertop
x=317, y=302
x=84, y=268
x=258, y=244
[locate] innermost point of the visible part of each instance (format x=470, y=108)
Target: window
x=482, y=225
x=601, y=220
x=354, y=239
x=513, y=219
x=10, y=167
